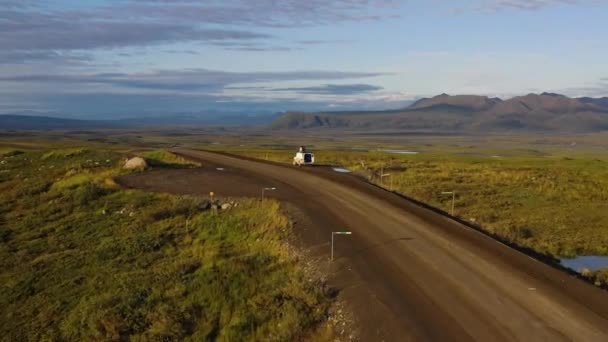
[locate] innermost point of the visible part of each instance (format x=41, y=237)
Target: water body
x=401, y=152
x=341, y=170
x=592, y=262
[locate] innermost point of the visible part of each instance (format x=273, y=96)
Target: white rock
x=136, y=163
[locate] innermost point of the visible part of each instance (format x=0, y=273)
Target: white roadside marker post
x=387, y=175
x=453, y=193
x=332, y=242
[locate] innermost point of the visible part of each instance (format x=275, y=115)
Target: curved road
x=411, y=274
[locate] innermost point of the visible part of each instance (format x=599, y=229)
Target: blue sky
x=126, y=58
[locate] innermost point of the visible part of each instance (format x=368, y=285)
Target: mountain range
x=24, y=121
x=546, y=112
x=43, y=121
x=533, y=112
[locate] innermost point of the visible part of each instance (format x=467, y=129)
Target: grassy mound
x=81, y=260
x=9, y=152
x=64, y=153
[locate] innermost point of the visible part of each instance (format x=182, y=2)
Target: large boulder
x=137, y=163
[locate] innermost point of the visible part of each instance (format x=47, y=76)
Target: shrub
x=64, y=153
x=11, y=153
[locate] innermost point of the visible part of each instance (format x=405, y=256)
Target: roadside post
x=453, y=193
x=332, y=242
x=211, y=195
x=382, y=180
x=266, y=189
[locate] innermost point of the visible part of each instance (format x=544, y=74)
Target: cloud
x=263, y=48
x=528, y=5
x=55, y=50
x=591, y=89
x=40, y=32
x=196, y=79
x=115, y=106
x=28, y=56
x=191, y=90
x=268, y=13
x=323, y=42
x=189, y=52
x=18, y=4
x=334, y=89
x=253, y=46
x=52, y=29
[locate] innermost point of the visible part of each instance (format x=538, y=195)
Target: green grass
x=9, y=152
x=81, y=259
x=63, y=153
x=599, y=277
x=552, y=203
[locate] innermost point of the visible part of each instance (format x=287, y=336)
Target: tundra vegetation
x=83, y=259
x=553, y=203
x=167, y=159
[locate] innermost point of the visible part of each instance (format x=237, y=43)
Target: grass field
x=553, y=204
x=82, y=259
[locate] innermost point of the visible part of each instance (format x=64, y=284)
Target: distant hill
x=38, y=122
x=601, y=102
x=30, y=122
x=465, y=102
x=533, y=112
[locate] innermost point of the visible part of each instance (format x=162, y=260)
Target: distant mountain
x=547, y=102
x=294, y=120
x=37, y=122
x=465, y=102
x=601, y=102
x=533, y=112
x=546, y=112
x=30, y=122
x=214, y=119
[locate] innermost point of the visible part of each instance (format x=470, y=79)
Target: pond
x=341, y=170
x=592, y=262
x=401, y=152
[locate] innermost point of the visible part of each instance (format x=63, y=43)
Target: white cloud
x=530, y=5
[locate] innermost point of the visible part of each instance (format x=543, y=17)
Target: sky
x=108, y=59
